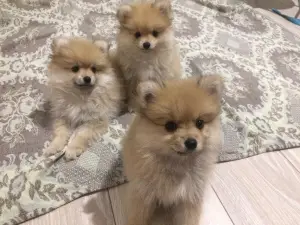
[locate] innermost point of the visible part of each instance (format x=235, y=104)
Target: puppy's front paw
x=72, y=153
x=130, y=109
x=53, y=149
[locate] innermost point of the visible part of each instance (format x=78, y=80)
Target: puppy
x=146, y=45
x=170, y=149
x=85, y=94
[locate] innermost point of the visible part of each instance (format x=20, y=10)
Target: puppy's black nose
x=190, y=144
x=146, y=45
x=87, y=80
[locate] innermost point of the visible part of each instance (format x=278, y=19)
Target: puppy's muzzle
x=146, y=45
x=190, y=144
x=87, y=80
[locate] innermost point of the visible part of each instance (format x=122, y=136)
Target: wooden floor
x=262, y=190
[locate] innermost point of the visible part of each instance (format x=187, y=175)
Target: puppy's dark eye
x=94, y=69
x=155, y=33
x=75, y=68
x=138, y=34
x=199, y=124
x=171, y=126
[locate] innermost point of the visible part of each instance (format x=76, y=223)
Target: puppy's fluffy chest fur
x=178, y=180
x=80, y=106
x=148, y=65
x=77, y=108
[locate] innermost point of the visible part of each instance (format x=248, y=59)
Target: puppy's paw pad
x=51, y=150
x=72, y=153
x=131, y=109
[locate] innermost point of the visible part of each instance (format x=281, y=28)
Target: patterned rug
x=259, y=60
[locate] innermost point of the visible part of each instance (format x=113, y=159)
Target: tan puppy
x=86, y=93
x=146, y=47
x=170, y=149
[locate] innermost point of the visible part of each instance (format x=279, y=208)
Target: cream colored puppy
x=85, y=94
x=170, y=149
x=146, y=46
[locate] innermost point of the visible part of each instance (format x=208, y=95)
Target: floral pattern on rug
x=258, y=59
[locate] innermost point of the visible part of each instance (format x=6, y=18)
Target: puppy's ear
x=213, y=84
x=59, y=42
x=165, y=7
x=147, y=92
x=102, y=45
x=124, y=13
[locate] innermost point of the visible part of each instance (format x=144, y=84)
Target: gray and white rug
x=259, y=60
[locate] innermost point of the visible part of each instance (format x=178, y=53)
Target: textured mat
x=259, y=60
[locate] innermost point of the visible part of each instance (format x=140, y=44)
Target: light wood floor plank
x=293, y=155
x=117, y=197
x=213, y=212
x=94, y=209
x=261, y=190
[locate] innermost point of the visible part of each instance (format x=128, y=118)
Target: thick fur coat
x=146, y=46
x=170, y=150
x=85, y=94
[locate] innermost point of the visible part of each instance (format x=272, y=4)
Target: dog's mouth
x=183, y=153
x=180, y=151
x=83, y=85
x=147, y=50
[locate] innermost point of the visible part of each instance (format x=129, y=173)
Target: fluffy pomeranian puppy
x=146, y=46
x=170, y=149
x=85, y=94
